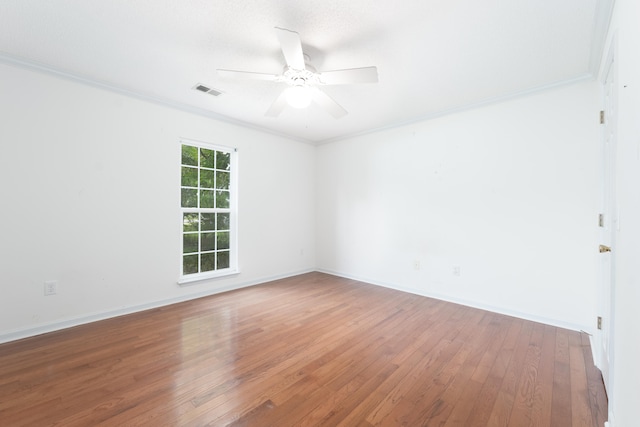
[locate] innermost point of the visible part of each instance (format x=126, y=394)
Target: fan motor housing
x=306, y=77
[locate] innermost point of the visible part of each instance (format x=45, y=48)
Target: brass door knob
x=604, y=248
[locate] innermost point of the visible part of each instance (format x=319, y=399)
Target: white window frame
x=232, y=210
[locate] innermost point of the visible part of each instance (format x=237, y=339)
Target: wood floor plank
x=455, y=378
x=525, y=393
x=431, y=345
x=309, y=350
x=434, y=391
x=543, y=387
x=464, y=405
x=580, y=409
x=561, y=395
x=597, y=392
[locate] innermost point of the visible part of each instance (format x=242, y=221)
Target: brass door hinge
x=599, y=322
x=600, y=220
x=601, y=117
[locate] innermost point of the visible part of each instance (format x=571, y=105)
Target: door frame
x=604, y=338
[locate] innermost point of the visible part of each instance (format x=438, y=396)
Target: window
x=208, y=200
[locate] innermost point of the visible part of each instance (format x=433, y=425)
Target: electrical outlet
x=50, y=287
x=456, y=270
x=416, y=264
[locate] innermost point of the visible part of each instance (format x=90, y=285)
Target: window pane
x=206, y=199
x=190, y=222
x=223, y=161
x=208, y=242
x=189, y=243
x=189, y=198
x=206, y=178
x=222, y=199
x=189, y=177
x=223, y=221
x=189, y=155
x=223, y=240
x=205, y=192
x=206, y=158
x=208, y=221
x=208, y=262
x=189, y=264
x=222, y=180
x=223, y=259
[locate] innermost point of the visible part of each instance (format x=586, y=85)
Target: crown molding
x=467, y=107
x=601, y=24
x=43, y=68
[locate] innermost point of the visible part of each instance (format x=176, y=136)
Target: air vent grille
x=206, y=89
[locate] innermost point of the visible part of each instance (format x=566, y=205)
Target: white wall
x=89, y=183
x=624, y=398
x=507, y=192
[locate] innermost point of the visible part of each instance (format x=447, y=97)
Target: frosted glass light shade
x=299, y=96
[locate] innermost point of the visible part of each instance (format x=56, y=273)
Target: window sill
x=193, y=278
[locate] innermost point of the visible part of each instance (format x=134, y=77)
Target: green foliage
x=190, y=222
x=223, y=161
x=207, y=178
x=223, y=221
x=189, y=198
x=208, y=221
x=222, y=199
x=205, y=182
x=189, y=243
x=222, y=180
x=190, y=264
x=207, y=242
x=207, y=199
x=223, y=260
x=207, y=158
x=223, y=240
x=189, y=177
x=189, y=155
x=208, y=262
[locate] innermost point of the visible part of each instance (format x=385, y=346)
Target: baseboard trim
x=94, y=317
x=468, y=303
x=612, y=419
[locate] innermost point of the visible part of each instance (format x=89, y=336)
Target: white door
x=608, y=224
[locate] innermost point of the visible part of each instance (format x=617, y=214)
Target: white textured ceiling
x=433, y=56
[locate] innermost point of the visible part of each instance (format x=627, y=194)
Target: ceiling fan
x=303, y=79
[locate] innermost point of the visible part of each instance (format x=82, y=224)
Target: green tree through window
x=207, y=200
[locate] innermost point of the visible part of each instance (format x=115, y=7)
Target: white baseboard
x=468, y=303
x=612, y=419
x=94, y=317
x=81, y=320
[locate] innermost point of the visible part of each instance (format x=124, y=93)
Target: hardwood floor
x=304, y=351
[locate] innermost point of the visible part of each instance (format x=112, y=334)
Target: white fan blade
x=247, y=75
x=350, y=76
x=326, y=102
x=278, y=105
x=291, y=48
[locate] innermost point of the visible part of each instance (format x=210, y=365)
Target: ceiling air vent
x=205, y=89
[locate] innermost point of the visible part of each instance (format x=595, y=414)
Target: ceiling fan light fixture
x=302, y=79
x=299, y=96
